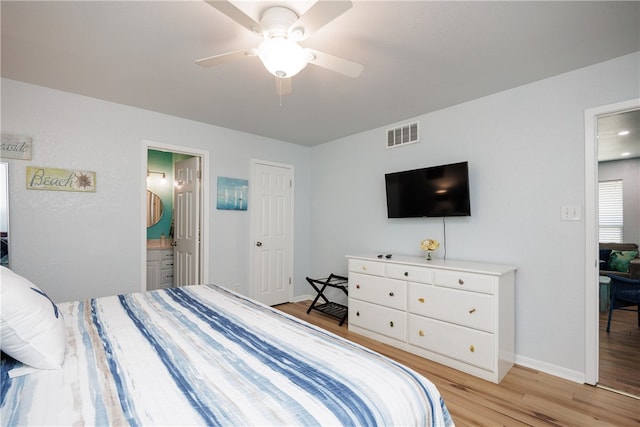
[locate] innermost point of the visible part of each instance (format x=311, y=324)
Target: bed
x=203, y=355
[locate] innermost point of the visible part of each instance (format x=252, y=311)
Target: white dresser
x=459, y=314
x=159, y=268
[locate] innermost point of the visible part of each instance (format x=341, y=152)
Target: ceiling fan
x=281, y=29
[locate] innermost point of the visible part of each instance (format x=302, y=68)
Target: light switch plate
x=571, y=213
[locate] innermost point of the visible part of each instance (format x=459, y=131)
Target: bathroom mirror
x=4, y=214
x=154, y=208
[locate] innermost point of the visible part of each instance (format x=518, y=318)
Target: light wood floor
x=620, y=352
x=525, y=397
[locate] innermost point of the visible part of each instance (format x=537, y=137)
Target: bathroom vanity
x=159, y=266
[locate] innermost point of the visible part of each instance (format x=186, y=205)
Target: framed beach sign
x=53, y=179
x=16, y=146
x=233, y=194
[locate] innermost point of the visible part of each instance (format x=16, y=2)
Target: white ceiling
x=614, y=145
x=419, y=56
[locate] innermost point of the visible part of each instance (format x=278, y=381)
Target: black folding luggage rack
x=339, y=311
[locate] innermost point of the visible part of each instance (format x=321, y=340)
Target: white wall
x=629, y=171
x=525, y=149
x=80, y=245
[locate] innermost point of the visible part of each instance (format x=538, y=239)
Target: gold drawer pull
x=391, y=294
x=473, y=310
x=391, y=323
x=364, y=267
x=421, y=333
x=472, y=348
x=421, y=300
x=460, y=282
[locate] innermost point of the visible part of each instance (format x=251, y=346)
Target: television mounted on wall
x=437, y=191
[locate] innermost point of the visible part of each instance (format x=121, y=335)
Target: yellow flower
x=429, y=245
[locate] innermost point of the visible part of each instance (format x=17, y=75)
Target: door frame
x=252, y=229
x=203, y=212
x=592, y=293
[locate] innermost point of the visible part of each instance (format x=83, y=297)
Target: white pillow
x=32, y=328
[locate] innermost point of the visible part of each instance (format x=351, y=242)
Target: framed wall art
x=54, y=179
x=16, y=146
x=233, y=194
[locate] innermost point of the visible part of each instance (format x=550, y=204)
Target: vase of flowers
x=430, y=246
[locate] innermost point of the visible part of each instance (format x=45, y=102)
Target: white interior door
x=271, y=210
x=187, y=222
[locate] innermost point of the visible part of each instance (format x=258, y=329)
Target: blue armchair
x=624, y=293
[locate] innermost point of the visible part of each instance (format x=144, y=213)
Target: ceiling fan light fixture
x=282, y=57
x=296, y=34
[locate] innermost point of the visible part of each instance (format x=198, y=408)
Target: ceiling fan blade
x=334, y=63
x=284, y=86
x=320, y=14
x=239, y=16
x=212, y=61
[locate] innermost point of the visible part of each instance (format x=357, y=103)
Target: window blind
x=610, y=214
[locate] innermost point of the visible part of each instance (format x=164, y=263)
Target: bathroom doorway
x=160, y=268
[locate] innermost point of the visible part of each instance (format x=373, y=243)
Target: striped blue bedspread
x=202, y=355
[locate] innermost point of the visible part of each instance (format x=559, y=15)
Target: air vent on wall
x=402, y=135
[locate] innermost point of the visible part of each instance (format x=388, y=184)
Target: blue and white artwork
x=233, y=194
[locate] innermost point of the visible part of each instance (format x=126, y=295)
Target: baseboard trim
x=301, y=298
x=551, y=369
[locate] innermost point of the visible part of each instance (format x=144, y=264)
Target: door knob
x=259, y=244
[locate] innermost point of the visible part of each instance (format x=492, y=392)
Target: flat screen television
x=437, y=191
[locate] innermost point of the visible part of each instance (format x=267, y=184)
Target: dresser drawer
x=457, y=342
x=378, y=290
x=382, y=320
x=410, y=273
x=166, y=277
x=466, y=281
x=167, y=264
x=464, y=308
x=167, y=254
x=366, y=267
